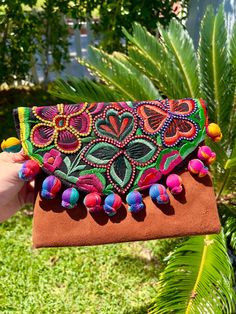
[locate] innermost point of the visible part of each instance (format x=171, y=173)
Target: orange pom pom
x=214, y=132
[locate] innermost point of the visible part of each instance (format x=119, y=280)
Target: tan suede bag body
x=118, y=172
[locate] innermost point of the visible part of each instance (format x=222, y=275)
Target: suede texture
x=193, y=212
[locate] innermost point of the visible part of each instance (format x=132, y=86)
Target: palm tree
x=198, y=277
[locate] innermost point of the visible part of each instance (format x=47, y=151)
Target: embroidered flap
x=112, y=147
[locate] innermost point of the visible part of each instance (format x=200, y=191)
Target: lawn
x=119, y=278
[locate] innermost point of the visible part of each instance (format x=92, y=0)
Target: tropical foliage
x=198, y=277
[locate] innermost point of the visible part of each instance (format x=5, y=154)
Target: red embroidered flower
x=149, y=176
x=90, y=183
x=52, y=160
x=170, y=118
x=63, y=125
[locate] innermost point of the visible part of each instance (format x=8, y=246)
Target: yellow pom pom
x=12, y=144
x=214, y=132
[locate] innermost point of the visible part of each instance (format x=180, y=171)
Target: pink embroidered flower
x=52, y=160
x=149, y=176
x=63, y=125
x=90, y=183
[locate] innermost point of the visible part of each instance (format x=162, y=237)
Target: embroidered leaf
x=77, y=168
x=44, y=149
x=60, y=174
x=141, y=150
x=72, y=179
x=94, y=170
x=101, y=153
x=64, y=176
x=88, y=139
x=67, y=162
x=29, y=146
x=121, y=171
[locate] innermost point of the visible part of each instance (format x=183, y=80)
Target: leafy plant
x=198, y=277
x=115, y=14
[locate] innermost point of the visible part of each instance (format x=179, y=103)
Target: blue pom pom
x=111, y=204
x=135, y=201
x=159, y=194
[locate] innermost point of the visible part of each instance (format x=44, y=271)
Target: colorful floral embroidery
x=128, y=145
x=52, y=160
x=61, y=124
x=117, y=149
x=170, y=118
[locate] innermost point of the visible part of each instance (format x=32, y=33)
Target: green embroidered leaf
x=121, y=171
x=141, y=150
x=101, y=153
x=94, y=170
x=67, y=162
x=77, y=168
x=60, y=174
x=88, y=139
x=64, y=176
x=44, y=149
x=107, y=192
x=29, y=146
x=38, y=157
x=108, y=189
x=72, y=179
x=139, y=132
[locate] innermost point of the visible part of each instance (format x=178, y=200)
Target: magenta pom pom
x=29, y=170
x=112, y=203
x=206, y=154
x=174, y=183
x=50, y=187
x=197, y=167
x=135, y=201
x=92, y=202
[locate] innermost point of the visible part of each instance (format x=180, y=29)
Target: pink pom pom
x=206, y=154
x=174, y=183
x=196, y=166
x=92, y=202
x=29, y=170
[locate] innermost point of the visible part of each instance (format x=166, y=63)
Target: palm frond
x=78, y=90
x=215, y=70
x=180, y=47
x=151, y=58
x=126, y=79
x=230, y=231
x=233, y=63
x=198, y=279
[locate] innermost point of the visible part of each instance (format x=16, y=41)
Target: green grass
x=118, y=278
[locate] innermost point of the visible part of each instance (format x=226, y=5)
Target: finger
x=19, y=157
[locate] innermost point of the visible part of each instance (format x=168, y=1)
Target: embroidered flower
x=90, y=183
x=118, y=149
x=61, y=124
x=52, y=160
x=169, y=118
x=149, y=176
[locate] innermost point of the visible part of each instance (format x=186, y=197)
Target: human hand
x=14, y=193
